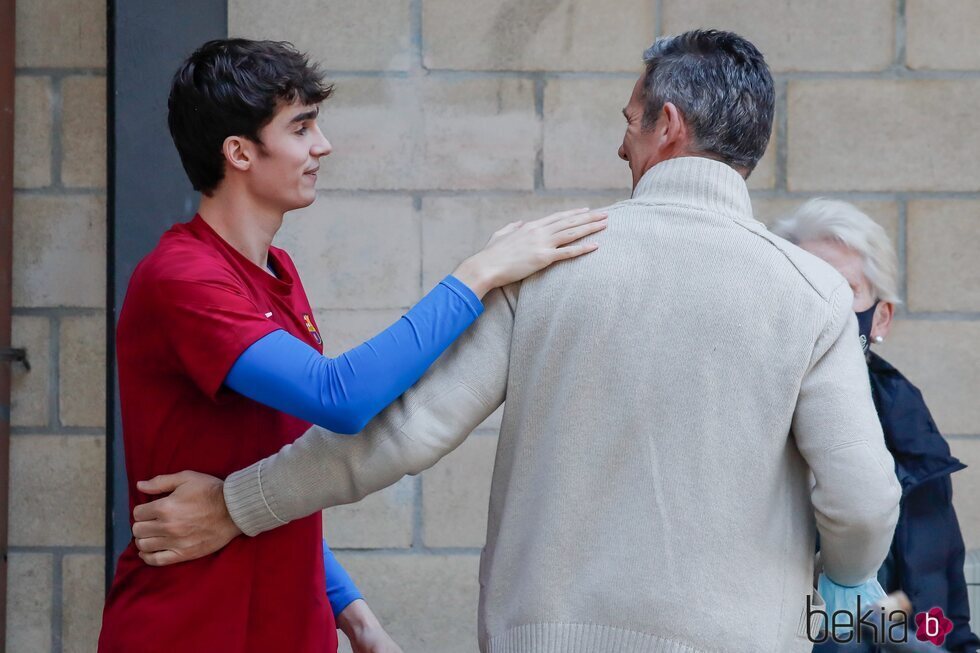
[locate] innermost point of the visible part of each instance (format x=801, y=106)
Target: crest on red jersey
x=311, y=328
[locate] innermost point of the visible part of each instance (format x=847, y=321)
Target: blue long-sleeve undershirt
x=341, y=590
x=342, y=394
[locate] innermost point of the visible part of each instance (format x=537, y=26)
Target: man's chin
x=304, y=201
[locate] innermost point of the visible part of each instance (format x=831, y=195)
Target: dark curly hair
x=232, y=87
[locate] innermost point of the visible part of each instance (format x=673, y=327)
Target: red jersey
x=193, y=305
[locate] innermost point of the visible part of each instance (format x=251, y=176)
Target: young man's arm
x=341, y=590
x=322, y=469
x=351, y=612
x=856, y=495
x=343, y=393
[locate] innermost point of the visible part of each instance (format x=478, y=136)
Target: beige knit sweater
x=668, y=397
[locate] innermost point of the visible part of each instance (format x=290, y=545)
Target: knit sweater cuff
x=247, y=504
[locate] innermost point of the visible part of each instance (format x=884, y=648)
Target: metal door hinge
x=10, y=355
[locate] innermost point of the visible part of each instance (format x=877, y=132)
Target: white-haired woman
x=926, y=558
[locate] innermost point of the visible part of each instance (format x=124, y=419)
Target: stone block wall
x=57, y=449
x=451, y=118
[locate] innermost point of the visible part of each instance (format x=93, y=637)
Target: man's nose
x=622, y=153
x=322, y=148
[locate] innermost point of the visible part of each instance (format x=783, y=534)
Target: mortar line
x=539, y=89
x=51, y=549
x=418, y=543
x=58, y=311
x=892, y=72
x=56, y=132
x=940, y=316
x=373, y=309
x=417, y=207
x=893, y=196
x=56, y=431
x=454, y=74
x=901, y=36
x=54, y=373
x=59, y=191
x=782, y=135
x=369, y=74
x=759, y=193
x=57, y=592
x=413, y=551
x=415, y=19
x=59, y=73
x=902, y=251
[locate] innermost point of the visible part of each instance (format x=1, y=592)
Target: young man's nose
x=322, y=148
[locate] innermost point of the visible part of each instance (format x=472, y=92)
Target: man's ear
x=675, y=135
x=238, y=152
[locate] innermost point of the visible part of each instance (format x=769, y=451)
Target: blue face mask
x=865, y=319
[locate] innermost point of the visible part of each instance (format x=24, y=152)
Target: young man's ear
x=238, y=152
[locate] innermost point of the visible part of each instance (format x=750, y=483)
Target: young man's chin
x=303, y=201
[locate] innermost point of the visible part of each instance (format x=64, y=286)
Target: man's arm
x=321, y=469
x=856, y=495
x=431, y=419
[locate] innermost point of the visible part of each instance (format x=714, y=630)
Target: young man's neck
x=242, y=223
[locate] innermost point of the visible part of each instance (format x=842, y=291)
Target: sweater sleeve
x=856, y=495
x=432, y=418
x=342, y=394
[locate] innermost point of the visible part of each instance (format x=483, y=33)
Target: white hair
x=842, y=222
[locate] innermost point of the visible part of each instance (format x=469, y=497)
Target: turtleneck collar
x=699, y=182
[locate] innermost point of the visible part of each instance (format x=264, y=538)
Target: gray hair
x=842, y=222
x=721, y=84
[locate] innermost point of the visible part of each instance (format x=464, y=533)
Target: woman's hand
x=520, y=249
x=364, y=631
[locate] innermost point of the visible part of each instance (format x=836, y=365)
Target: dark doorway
x=147, y=188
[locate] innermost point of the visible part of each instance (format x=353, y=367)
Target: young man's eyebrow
x=306, y=115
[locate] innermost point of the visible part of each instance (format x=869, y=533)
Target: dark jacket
x=927, y=552
x=928, y=546
x=926, y=559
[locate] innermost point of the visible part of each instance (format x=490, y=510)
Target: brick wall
x=453, y=117
x=57, y=450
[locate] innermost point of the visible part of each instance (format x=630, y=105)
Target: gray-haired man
x=667, y=401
